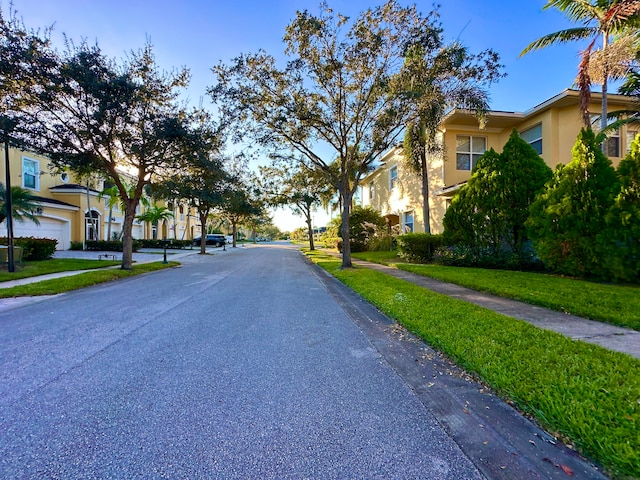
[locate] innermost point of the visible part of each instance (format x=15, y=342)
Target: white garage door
x=48, y=228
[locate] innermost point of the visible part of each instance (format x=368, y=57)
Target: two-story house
x=550, y=127
x=74, y=210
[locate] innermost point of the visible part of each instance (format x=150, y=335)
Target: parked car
x=215, y=239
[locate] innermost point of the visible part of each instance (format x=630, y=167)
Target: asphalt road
x=232, y=366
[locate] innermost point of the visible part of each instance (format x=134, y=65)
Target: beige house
x=551, y=128
x=75, y=211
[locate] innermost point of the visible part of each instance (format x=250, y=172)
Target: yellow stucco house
x=550, y=127
x=74, y=211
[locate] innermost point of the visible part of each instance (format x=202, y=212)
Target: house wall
x=64, y=205
x=560, y=121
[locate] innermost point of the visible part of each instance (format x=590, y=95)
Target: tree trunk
x=127, y=234
x=234, y=229
x=346, y=196
x=310, y=231
x=203, y=236
x=109, y=223
x=426, y=217
x=605, y=75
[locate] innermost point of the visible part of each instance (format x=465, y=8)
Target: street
x=231, y=366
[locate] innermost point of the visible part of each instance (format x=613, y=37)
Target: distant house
x=551, y=128
x=71, y=210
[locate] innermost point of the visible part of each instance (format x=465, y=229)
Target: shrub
x=34, y=248
x=567, y=217
x=108, y=245
x=418, y=247
x=364, y=224
x=490, y=211
x=383, y=243
x=171, y=243
x=620, y=241
x=461, y=255
x=76, y=246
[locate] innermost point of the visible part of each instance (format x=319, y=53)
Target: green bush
x=171, y=243
x=418, y=247
x=567, y=217
x=76, y=246
x=383, y=243
x=461, y=255
x=108, y=245
x=34, y=248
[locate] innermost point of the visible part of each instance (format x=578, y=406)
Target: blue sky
x=198, y=34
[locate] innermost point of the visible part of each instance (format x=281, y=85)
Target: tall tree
x=203, y=181
x=333, y=104
x=436, y=78
x=98, y=116
x=298, y=188
x=598, y=19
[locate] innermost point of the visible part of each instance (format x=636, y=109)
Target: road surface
x=231, y=366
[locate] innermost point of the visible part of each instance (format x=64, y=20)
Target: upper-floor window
x=393, y=176
x=533, y=136
x=631, y=136
x=30, y=173
x=611, y=145
x=372, y=191
x=469, y=150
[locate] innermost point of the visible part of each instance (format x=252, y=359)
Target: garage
x=48, y=228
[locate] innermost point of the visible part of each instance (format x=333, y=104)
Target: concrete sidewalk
x=608, y=336
x=147, y=255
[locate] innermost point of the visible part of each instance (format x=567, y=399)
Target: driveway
x=231, y=366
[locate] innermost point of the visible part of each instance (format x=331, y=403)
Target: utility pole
x=11, y=266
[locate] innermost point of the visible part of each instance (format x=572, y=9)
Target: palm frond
x=563, y=36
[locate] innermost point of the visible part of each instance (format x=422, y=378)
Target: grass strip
x=53, y=265
x=585, y=394
x=614, y=304
x=74, y=282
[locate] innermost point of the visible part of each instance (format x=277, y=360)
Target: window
x=631, y=136
x=393, y=177
x=181, y=211
x=30, y=174
x=533, y=136
x=469, y=150
x=408, y=222
x=611, y=146
x=372, y=191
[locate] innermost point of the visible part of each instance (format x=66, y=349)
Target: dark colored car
x=215, y=239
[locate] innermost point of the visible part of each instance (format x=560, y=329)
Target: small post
x=164, y=258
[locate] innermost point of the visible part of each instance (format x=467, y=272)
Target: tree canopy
x=334, y=105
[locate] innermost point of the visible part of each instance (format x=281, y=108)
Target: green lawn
x=610, y=303
x=74, y=282
x=52, y=265
x=582, y=393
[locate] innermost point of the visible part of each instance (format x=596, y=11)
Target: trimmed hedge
x=108, y=245
x=418, y=247
x=171, y=243
x=33, y=248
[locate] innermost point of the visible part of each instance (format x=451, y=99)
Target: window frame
x=473, y=156
x=36, y=175
x=393, y=180
x=536, y=140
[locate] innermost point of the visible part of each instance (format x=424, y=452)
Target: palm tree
x=435, y=83
x=155, y=214
x=115, y=199
x=24, y=206
x=597, y=19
